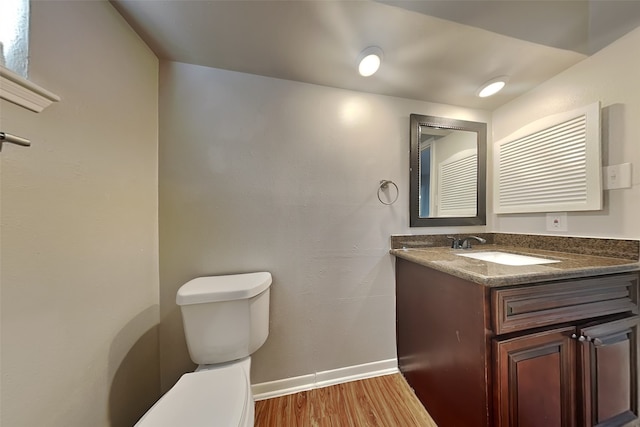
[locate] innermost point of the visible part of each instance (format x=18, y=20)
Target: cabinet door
x=609, y=373
x=535, y=380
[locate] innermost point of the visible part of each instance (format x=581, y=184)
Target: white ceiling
x=434, y=50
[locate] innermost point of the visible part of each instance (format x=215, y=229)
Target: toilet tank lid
x=223, y=288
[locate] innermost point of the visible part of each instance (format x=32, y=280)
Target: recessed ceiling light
x=369, y=61
x=492, y=87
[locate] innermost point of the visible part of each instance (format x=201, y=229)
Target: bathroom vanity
x=487, y=344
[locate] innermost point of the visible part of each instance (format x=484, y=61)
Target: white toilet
x=226, y=318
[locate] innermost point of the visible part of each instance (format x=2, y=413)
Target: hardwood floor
x=385, y=401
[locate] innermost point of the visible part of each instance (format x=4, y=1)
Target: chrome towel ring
x=384, y=185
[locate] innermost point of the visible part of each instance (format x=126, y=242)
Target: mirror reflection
x=447, y=171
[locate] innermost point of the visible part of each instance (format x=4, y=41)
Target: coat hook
x=7, y=137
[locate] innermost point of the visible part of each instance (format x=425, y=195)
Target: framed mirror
x=447, y=172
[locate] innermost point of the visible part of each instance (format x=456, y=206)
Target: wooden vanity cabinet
x=535, y=380
x=443, y=340
x=551, y=379
x=581, y=374
x=608, y=368
x=561, y=353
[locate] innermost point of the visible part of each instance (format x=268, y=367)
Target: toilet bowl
x=226, y=318
x=216, y=396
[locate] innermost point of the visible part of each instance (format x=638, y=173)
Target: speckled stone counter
x=572, y=265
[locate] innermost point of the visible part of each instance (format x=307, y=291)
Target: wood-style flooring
x=385, y=401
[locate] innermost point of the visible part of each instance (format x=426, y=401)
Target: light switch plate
x=617, y=176
x=557, y=221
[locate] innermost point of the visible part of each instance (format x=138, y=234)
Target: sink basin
x=507, y=258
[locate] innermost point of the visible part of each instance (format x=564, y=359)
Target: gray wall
x=611, y=77
x=265, y=174
x=79, y=264
x=256, y=174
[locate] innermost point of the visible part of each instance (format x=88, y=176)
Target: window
x=14, y=54
x=14, y=35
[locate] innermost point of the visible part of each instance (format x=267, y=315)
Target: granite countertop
x=571, y=265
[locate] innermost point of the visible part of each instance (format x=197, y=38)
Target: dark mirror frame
x=417, y=121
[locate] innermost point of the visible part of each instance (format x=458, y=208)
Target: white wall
x=79, y=266
x=265, y=174
x=611, y=77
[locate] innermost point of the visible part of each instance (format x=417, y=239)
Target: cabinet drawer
x=532, y=306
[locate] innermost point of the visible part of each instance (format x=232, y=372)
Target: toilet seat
x=207, y=398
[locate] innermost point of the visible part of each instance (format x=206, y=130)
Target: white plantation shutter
x=552, y=165
x=457, y=186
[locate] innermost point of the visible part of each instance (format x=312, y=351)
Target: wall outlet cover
x=557, y=221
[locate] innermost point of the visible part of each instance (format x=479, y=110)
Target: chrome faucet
x=466, y=244
x=455, y=242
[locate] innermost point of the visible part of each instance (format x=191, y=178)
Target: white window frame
x=15, y=88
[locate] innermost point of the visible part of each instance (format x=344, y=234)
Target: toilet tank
x=225, y=317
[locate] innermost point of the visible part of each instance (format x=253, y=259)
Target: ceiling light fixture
x=369, y=61
x=492, y=87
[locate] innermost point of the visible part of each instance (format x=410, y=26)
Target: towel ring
x=384, y=184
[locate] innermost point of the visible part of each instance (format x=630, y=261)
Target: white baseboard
x=292, y=385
